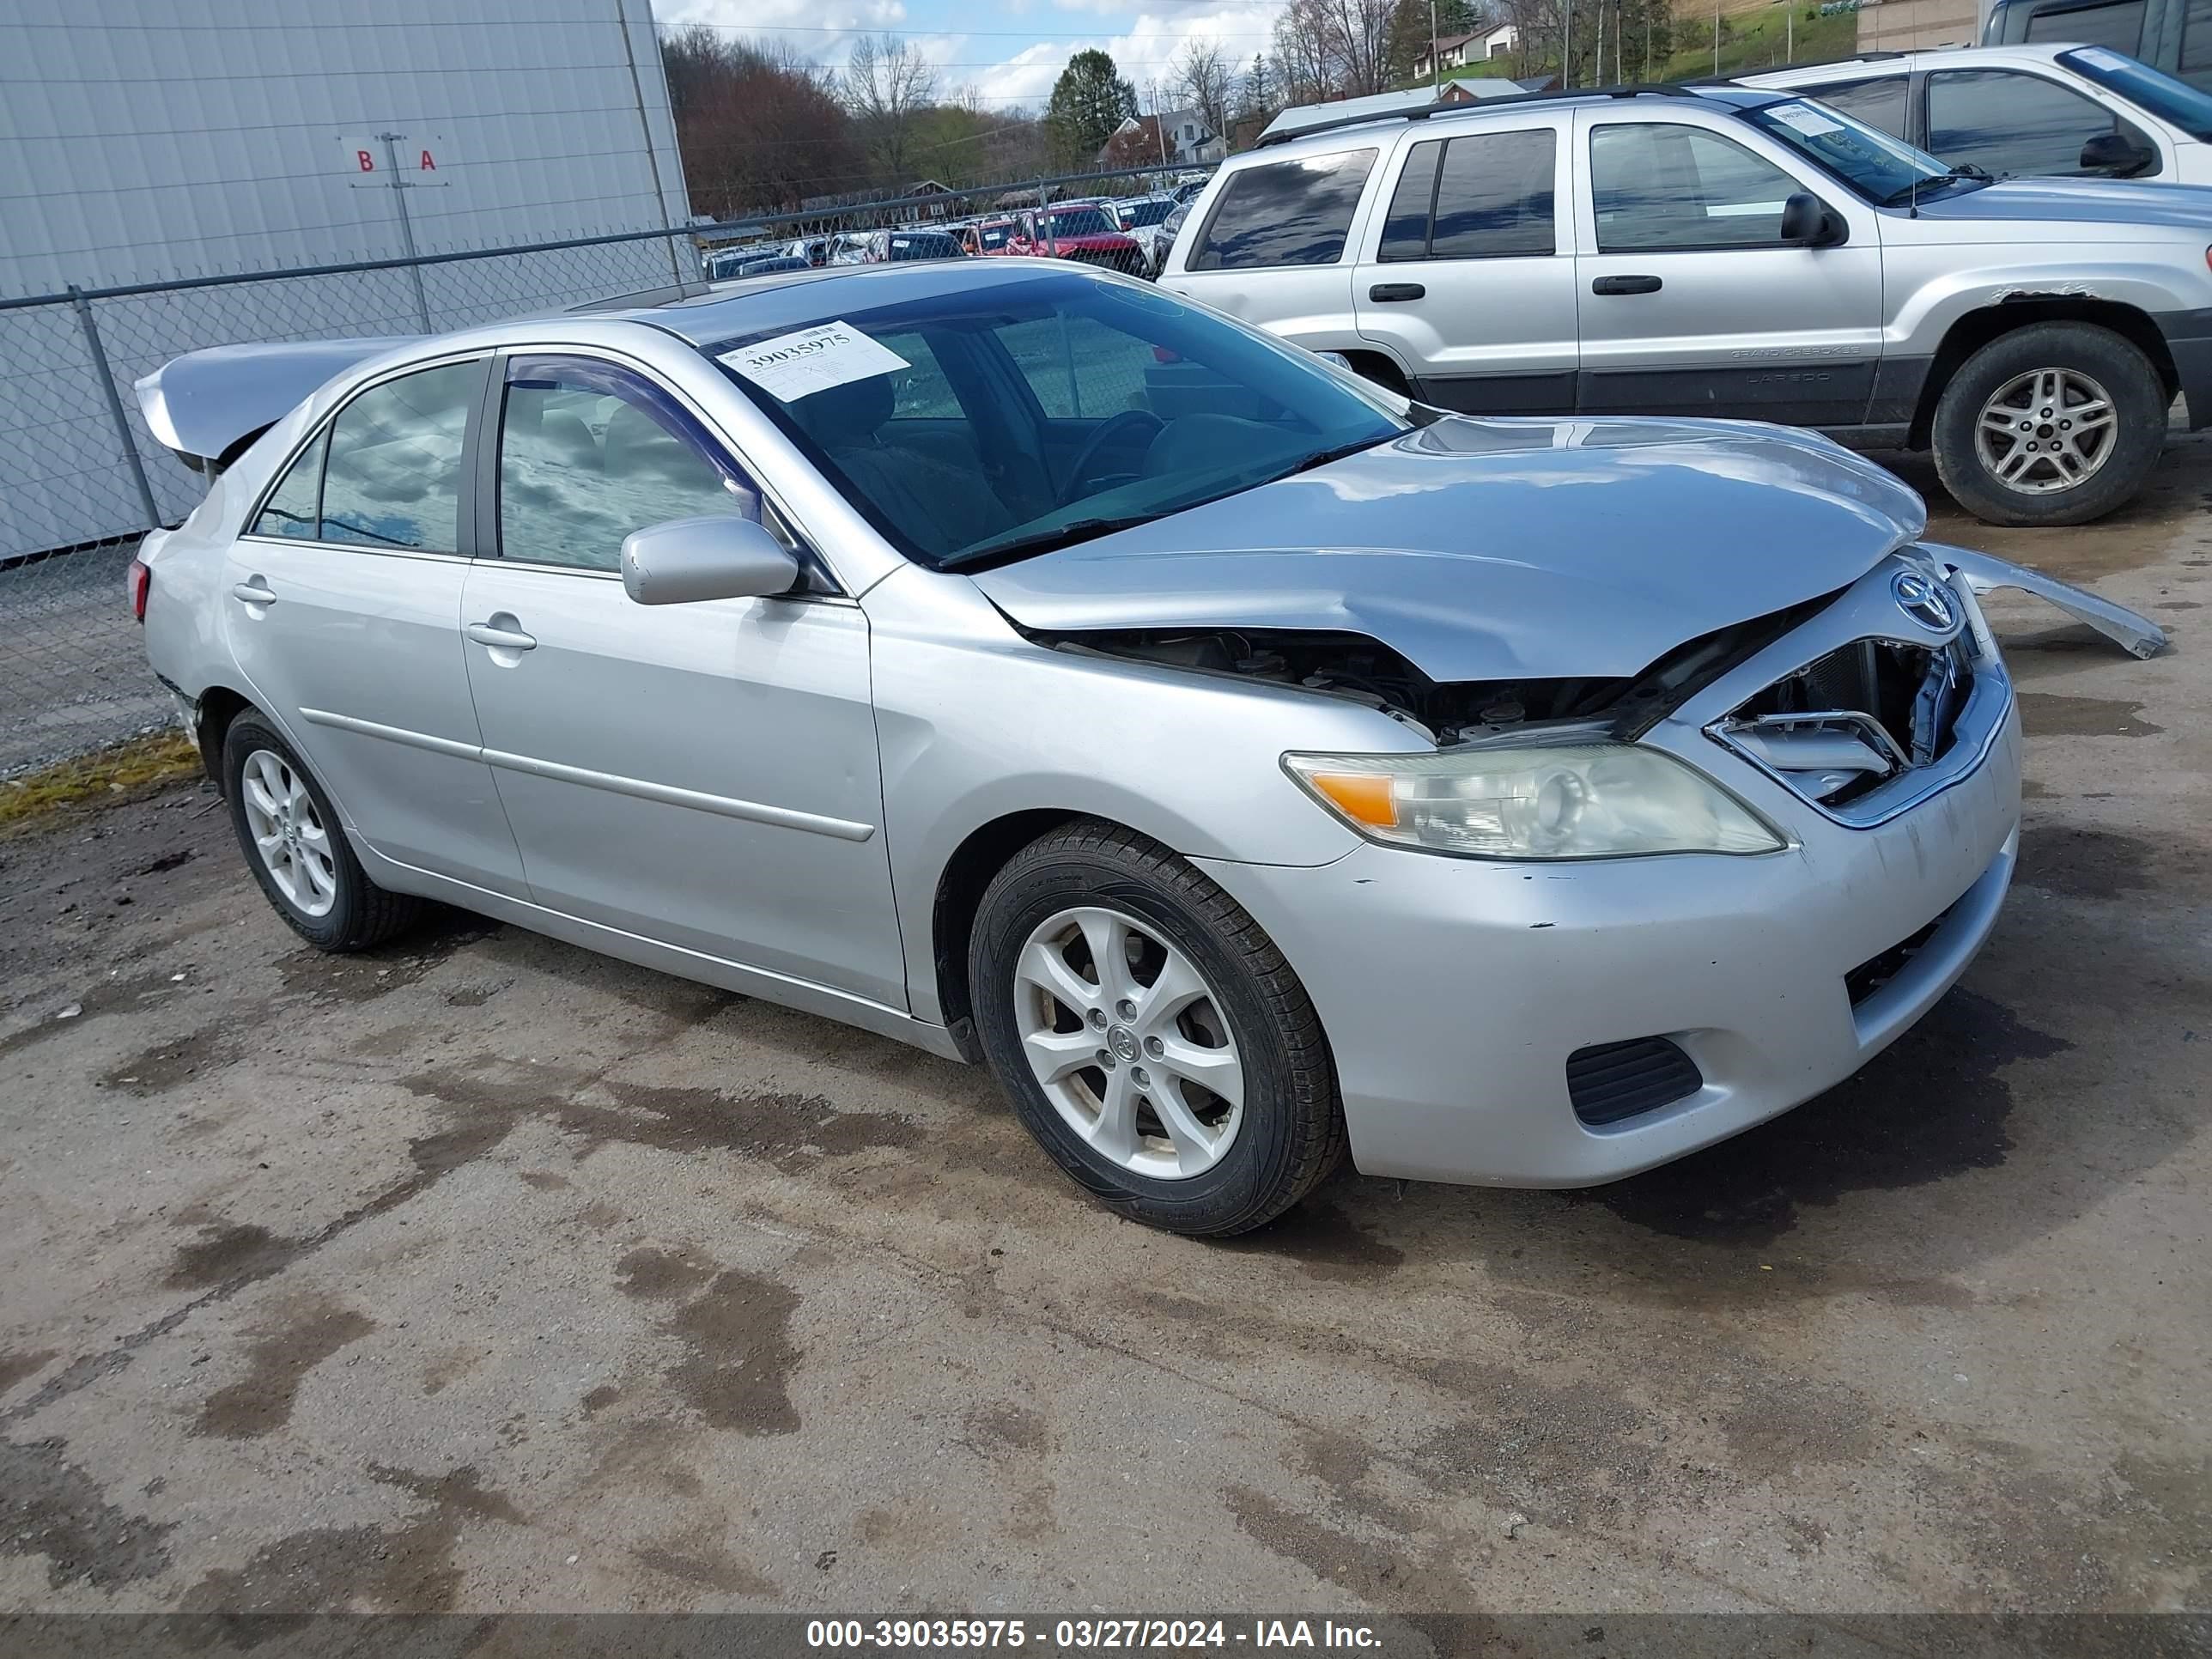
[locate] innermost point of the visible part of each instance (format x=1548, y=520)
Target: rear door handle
x=1626, y=285
x=500, y=639
x=1385, y=293
x=253, y=591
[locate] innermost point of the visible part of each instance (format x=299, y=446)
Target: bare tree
x=886, y=83
x=1305, y=62
x=1359, y=37
x=1203, y=79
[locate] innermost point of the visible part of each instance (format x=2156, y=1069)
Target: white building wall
x=148, y=140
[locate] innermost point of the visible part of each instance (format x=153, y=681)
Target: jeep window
x=1658, y=186
x=1492, y=199
x=1284, y=213
x=1878, y=101
x=2009, y=122
x=1882, y=169
x=2119, y=26
x=2161, y=94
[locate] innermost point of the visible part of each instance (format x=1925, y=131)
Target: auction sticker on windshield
x=795, y=366
x=1810, y=122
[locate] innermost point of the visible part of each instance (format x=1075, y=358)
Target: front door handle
x=1626, y=285
x=500, y=639
x=253, y=591
x=1385, y=293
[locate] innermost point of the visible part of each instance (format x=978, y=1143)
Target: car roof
x=798, y=299
x=1866, y=65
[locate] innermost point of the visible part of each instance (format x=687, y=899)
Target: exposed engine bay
x=1363, y=669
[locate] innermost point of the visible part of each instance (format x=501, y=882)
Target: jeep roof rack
x=1791, y=68
x=1422, y=113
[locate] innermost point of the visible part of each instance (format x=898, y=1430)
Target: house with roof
x=1465, y=51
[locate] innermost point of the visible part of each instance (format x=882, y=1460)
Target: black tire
x=2116, y=364
x=1292, y=1133
x=362, y=914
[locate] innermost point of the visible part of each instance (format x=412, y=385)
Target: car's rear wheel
x=1152, y=1036
x=2057, y=424
x=293, y=844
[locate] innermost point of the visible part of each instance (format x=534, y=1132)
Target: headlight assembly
x=1579, y=801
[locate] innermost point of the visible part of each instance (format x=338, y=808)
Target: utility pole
x=1436, y=62
x=400, y=187
x=1567, y=49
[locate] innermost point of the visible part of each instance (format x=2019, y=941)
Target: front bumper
x=1453, y=990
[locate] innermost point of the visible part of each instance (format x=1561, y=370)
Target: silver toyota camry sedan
x=1018, y=661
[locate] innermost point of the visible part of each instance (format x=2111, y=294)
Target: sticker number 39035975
x=792, y=365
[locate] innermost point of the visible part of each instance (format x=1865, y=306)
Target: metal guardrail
x=80, y=479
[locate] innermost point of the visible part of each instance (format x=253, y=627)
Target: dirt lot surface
x=485, y=1274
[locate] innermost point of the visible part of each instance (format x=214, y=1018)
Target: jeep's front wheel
x=2057, y=424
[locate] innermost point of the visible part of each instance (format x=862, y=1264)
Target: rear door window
x=1285, y=213
x=1482, y=196
x=394, y=474
x=2010, y=122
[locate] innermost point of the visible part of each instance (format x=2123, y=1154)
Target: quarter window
x=1658, y=186
x=1285, y=213
x=1491, y=199
x=394, y=474
x=1879, y=102
x=295, y=505
x=2010, y=122
x=588, y=452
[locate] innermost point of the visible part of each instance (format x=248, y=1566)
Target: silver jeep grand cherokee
x=1732, y=252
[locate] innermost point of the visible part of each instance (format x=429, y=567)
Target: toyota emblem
x=1924, y=600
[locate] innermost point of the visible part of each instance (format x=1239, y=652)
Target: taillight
x=142, y=583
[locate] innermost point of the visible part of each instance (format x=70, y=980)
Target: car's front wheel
x=293, y=844
x=1152, y=1037
x=2057, y=424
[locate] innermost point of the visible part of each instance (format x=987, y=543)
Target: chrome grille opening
x=1616, y=1080
x=1848, y=722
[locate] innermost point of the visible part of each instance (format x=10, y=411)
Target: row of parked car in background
x=1953, y=250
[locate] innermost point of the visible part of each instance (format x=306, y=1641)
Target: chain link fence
x=82, y=479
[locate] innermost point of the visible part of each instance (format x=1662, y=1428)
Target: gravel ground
x=484, y=1274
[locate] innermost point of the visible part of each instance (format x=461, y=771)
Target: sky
x=1009, y=51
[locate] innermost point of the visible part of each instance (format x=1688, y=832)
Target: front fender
x=1930, y=311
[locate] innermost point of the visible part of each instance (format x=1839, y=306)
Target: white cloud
x=1144, y=50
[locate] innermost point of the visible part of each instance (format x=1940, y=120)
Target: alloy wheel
x=1129, y=1042
x=288, y=832
x=2046, y=430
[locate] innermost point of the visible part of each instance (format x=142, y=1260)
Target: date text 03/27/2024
x=1084, y=1635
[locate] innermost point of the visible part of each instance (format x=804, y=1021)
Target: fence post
x=115, y=405
x=1044, y=218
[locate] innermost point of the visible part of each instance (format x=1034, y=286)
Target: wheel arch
x=1979, y=327
x=985, y=851
x=1381, y=368
x=218, y=706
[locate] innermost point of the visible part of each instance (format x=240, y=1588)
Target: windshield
x=1884, y=170
x=1080, y=221
x=995, y=236
x=1001, y=420
x=1145, y=213
x=2139, y=84
x=921, y=244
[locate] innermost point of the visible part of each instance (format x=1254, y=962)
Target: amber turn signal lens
x=1363, y=797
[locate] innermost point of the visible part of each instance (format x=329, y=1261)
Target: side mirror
x=1807, y=222
x=2115, y=153
x=718, y=557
